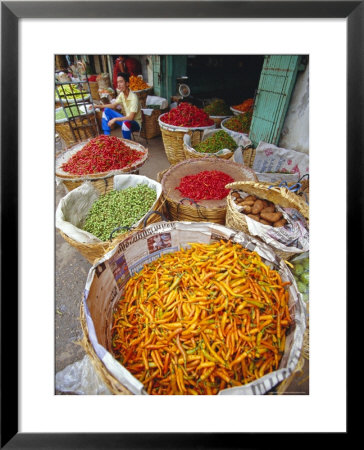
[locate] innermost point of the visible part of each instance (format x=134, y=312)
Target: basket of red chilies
x=194, y=189
x=98, y=160
x=184, y=119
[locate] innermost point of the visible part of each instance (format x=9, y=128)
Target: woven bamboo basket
x=117, y=388
x=102, y=181
x=114, y=386
x=180, y=208
x=142, y=95
x=94, y=87
x=72, y=135
x=93, y=252
x=173, y=139
x=278, y=195
x=150, y=125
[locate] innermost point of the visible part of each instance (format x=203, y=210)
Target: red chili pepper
x=187, y=115
x=206, y=185
x=102, y=154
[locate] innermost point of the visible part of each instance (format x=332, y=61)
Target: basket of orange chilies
x=140, y=88
x=184, y=308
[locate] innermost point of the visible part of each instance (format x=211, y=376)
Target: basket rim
x=220, y=117
x=99, y=175
x=237, y=110
x=142, y=90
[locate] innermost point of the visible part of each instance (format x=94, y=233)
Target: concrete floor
x=71, y=273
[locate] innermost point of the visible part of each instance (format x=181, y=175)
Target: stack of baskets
x=180, y=208
x=150, y=125
x=102, y=181
x=173, y=139
x=278, y=195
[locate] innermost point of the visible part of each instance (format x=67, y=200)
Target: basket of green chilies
x=93, y=222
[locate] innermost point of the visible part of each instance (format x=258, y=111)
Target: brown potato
x=268, y=209
x=248, y=202
x=247, y=209
x=265, y=222
x=235, y=195
x=254, y=217
x=271, y=217
x=250, y=197
x=257, y=207
x=280, y=223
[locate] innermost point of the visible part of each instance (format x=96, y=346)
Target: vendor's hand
x=111, y=122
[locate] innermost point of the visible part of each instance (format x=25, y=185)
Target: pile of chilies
x=205, y=185
x=187, y=115
x=202, y=319
x=102, y=154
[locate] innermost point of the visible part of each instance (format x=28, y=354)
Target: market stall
x=198, y=247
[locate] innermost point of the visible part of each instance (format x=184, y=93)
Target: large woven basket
x=85, y=128
x=278, y=195
x=173, y=139
x=110, y=380
x=114, y=386
x=102, y=181
x=93, y=252
x=150, y=125
x=180, y=208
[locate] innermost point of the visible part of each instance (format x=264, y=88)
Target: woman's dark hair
x=123, y=75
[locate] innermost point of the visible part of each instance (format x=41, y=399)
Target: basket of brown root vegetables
x=274, y=214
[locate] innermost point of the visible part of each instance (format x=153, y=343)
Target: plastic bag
x=270, y=158
x=81, y=378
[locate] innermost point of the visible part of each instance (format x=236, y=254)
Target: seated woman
x=130, y=102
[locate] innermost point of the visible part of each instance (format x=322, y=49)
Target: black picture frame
x=11, y=12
